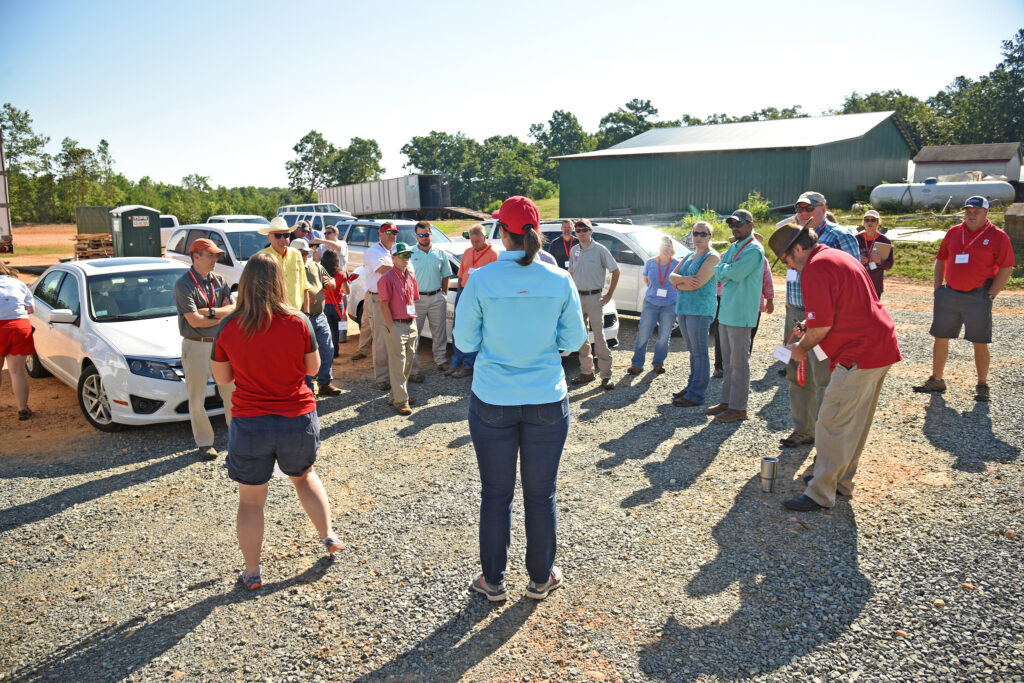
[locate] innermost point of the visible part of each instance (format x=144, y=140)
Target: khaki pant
x=842, y=430
x=195, y=361
x=805, y=401
x=432, y=310
x=736, y=365
x=401, y=346
x=593, y=318
x=371, y=308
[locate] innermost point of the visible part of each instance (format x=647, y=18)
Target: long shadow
x=645, y=437
x=800, y=587
x=444, y=656
x=118, y=650
x=776, y=413
x=946, y=428
x=41, y=508
x=685, y=463
x=426, y=416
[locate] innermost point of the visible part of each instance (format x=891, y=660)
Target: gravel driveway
x=121, y=562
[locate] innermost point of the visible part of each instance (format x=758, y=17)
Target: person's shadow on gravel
x=645, y=437
x=799, y=584
x=685, y=463
x=119, y=650
x=446, y=654
x=776, y=413
x=41, y=508
x=968, y=436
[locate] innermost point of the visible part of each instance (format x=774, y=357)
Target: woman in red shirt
x=267, y=348
x=335, y=289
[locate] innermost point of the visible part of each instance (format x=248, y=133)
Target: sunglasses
x=701, y=234
x=804, y=207
x=869, y=219
x=582, y=230
x=403, y=255
x=426, y=234
x=279, y=235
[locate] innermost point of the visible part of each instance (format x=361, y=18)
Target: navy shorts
x=255, y=443
x=970, y=310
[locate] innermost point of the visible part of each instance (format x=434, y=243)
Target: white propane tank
x=932, y=194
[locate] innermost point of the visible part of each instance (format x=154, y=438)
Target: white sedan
x=108, y=328
x=455, y=251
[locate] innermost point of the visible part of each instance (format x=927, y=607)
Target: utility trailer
x=417, y=195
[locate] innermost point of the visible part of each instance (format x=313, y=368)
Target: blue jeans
x=461, y=357
x=664, y=317
x=535, y=434
x=322, y=331
x=695, y=330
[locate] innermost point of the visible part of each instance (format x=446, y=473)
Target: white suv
x=238, y=240
x=237, y=218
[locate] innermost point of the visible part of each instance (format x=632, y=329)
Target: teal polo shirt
x=430, y=267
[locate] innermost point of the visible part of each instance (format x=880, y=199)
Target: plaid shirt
x=831, y=235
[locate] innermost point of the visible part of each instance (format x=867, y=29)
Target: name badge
x=410, y=309
x=791, y=275
x=662, y=292
x=960, y=258
x=472, y=270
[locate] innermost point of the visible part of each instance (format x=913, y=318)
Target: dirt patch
x=56, y=431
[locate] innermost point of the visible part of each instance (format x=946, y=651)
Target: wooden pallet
x=89, y=246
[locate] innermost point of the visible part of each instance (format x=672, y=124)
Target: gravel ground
x=121, y=562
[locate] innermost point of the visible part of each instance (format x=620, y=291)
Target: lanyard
x=801, y=371
x=868, y=245
x=565, y=245
x=207, y=299
x=737, y=254
x=662, y=278
x=965, y=243
x=481, y=252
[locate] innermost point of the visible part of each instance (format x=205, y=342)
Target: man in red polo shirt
x=845, y=318
x=398, y=294
x=976, y=260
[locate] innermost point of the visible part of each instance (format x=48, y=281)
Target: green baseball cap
x=402, y=248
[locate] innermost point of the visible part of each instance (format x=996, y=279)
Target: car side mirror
x=63, y=315
x=465, y=235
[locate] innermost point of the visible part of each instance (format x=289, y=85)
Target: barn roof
x=778, y=134
x=996, y=151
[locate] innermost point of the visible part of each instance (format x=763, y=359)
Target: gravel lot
x=118, y=557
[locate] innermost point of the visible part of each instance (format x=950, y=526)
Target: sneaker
x=208, y=453
x=329, y=390
x=332, y=543
x=540, y=592
x=931, y=384
x=251, y=581
x=493, y=593
x=633, y=370
x=981, y=391
x=607, y=384
x=27, y=413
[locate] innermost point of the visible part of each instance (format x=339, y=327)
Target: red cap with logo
x=518, y=214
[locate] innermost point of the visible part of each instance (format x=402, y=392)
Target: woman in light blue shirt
x=518, y=313
x=659, y=308
x=696, y=302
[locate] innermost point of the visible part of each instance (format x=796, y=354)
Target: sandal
x=24, y=414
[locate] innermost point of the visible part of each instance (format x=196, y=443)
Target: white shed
x=996, y=159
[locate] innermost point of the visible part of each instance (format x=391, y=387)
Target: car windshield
x=407, y=234
x=247, y=243
x=137, y=295
x=255, y=219
x=649, y=241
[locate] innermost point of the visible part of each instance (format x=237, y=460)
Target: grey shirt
x=588, y=266
x=189, y=298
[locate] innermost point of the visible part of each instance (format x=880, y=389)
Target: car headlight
x=152, y=368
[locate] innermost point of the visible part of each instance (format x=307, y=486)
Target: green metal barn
x=665, y=170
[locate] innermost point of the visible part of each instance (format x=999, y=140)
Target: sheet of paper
x=782, y=353
x=819, y=353
x=791, y=275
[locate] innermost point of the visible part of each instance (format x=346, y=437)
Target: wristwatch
x=211, y=315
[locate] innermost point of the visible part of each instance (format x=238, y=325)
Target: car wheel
x=34, y=367
x=92, y=399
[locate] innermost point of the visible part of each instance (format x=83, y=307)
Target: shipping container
x=410, y=195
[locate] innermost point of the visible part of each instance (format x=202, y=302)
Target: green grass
x=548, y=209
x=44, y=250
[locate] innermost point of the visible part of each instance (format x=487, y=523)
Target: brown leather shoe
x=403, y=409
x=444, y=367
x=582, y=379
x=633, y=370
x=416, y=378
x=607, y=384
x=357, y=355
x=659, y=369
x=684, y=402
x=329, y=390
x=797, y=439
x=716, y=409
x=732, y=415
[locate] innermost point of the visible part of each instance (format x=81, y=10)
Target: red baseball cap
x=203, y=244
x=518, y=214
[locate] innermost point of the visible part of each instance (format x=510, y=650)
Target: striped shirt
x=831, y=235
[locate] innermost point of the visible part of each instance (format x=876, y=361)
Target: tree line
x=46, y=188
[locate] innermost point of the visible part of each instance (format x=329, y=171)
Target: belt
x=373, y=293
x=401, y=320
x=208, y=340
x=588, y=292
x=430, y=293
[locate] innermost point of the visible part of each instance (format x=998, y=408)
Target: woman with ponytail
x=518, y=313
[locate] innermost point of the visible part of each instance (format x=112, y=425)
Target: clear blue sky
x=225, y=89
